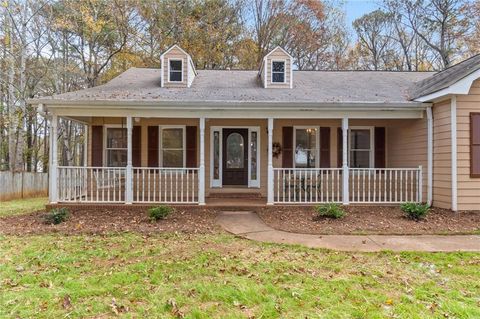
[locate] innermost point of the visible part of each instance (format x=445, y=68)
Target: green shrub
x=415, y=211
x=159, y=212
x=331, y=210
x=57, y=216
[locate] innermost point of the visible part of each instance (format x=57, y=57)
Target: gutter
x=236, y=105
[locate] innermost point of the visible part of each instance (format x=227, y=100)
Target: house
x=178, y=135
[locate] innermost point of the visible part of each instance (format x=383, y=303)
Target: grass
x=22, y=206
x=220, y=276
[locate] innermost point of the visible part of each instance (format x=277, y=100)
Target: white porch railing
x=165, y=185
x=366, y=185
x=385, y=185
x=91, y=184
x=108, y=185
x=309, y=185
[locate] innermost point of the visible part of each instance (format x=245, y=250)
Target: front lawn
x=22, y=206
x=220, y=276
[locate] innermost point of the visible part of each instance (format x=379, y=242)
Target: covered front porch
x=344, y=157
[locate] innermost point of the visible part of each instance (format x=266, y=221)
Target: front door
x=235, y=156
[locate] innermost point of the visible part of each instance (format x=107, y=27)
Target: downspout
x=429, y=156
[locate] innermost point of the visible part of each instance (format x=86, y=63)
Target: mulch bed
x=359, y=220
x=370, y=220
x=110, y=220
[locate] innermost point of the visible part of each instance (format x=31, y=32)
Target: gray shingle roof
x=446, y=78
x=139, y=84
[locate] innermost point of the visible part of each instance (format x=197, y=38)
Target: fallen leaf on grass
x=67, y=302
x=116, y=308
x=175, y=310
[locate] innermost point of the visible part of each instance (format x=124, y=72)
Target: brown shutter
x=137, y=146
x=97, y=145
x=324, y=147
x=380, y=147
x=339, y=147
x=191, y=132
x=153, y=145
x=474, y=144
x=287, y=141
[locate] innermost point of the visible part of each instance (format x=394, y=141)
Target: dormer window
x=278, y=71
x=175, y=70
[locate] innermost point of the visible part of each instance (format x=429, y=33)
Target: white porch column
x=129, y=173
x=53, y=192
x=201, y=173
x=85, y=145
x=429, y=156
x=346, y=196
x=270, y=177
x=453, y=131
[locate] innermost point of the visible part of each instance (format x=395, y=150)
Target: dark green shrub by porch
x=56, y=216
x=415, y=211
x=331, y=210
x=159, y=212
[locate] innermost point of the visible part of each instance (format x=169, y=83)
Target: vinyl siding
x=175, y=54
x=278, y=54
x=407, y=146
x=442, y=162
x=468, y=187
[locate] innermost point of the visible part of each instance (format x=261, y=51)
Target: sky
x=356, y=8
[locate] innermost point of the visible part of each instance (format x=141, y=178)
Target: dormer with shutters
x=276, y=70
x=178, y=70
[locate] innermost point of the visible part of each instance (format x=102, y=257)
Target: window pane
x=278, y=67
x=305, y=147
x=305, y=158
x=172, y=158
x=253, y=160
x=176, y=76
x=216, y=155
x=360, y=139
x=172, y=138
x=116, y=158
x=306, y=138
x=360, y=159
x=175, y=65
x=235, y=151
x=116, y=138
x=278, y=77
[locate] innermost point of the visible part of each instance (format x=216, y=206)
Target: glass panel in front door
x=235, y=151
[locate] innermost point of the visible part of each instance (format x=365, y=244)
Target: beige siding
x=175, y=53
x=468, y=187
x=442, y=163
x=278, y=54
x=407, y=146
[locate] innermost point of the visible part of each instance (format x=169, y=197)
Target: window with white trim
x=306, y=149
x=172, y=146
x=278, y=71
x=175, y=70
x=116, y=147
x=361, y=147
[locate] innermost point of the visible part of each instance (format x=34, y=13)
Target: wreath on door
x=276, y=149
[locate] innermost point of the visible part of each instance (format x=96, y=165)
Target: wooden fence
x=22, y=185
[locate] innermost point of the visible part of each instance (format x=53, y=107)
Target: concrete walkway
x=250, y=226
